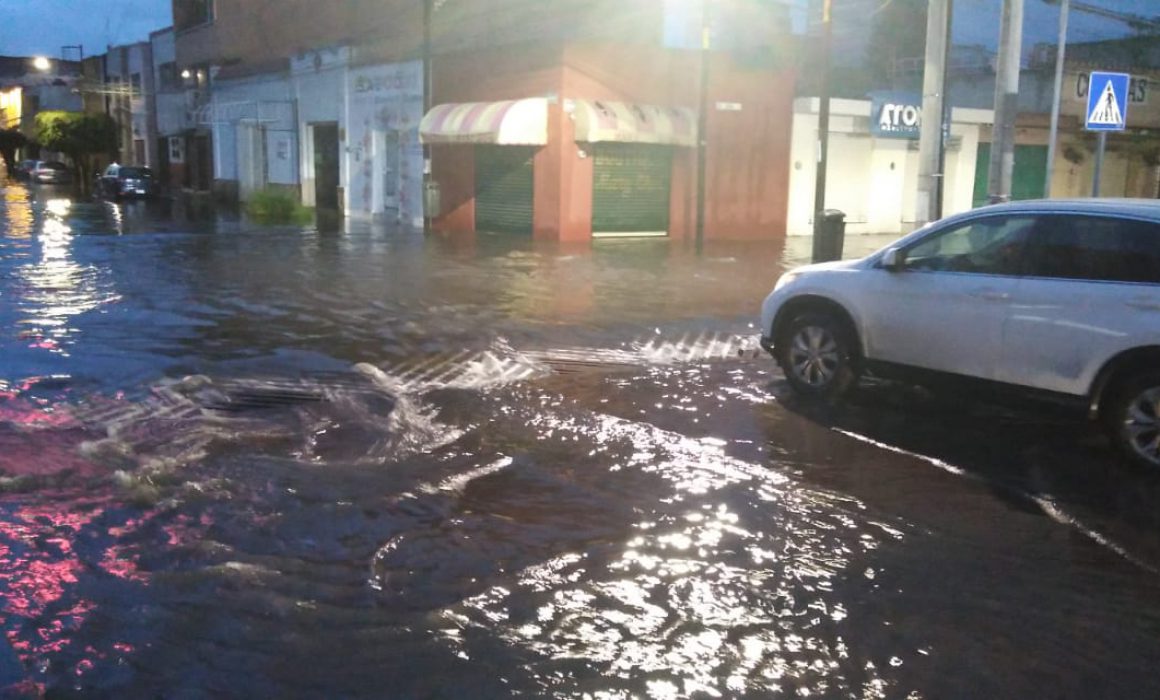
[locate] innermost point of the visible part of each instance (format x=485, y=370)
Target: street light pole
x=427, y=101
x=1060, y=50
x=702, y=124
x=823, y=118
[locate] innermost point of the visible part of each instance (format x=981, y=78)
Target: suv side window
x=987, y=246
x=1096, y=248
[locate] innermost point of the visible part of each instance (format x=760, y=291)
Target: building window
x=135, y=81
x=188, y=14
x=139, y=152
x=167, y=76
x=176, y=149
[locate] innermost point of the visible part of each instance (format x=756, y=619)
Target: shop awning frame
x=599, y=121
x=505, y=123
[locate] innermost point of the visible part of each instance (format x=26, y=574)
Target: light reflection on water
x=552, y=477
x=701, y=596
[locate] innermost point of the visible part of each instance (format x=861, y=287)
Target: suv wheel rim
x=813, y=355
x=1143, y=425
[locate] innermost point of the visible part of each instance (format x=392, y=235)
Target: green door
x=504, y=189
x=630, y=188
x=1026, y=179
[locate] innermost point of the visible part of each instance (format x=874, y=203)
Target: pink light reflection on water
x=40, y=570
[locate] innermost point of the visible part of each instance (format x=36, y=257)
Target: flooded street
x=242, y=461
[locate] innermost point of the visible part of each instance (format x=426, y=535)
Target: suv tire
x=1132, y=418
x=819, y=355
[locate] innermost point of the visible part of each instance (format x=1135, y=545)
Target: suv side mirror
x=894, y=260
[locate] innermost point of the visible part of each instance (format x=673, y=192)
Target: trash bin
x=432, y=199
x=829, y=235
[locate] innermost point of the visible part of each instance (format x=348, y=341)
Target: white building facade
x=872, y=173
x=383, y=158
x=255, y=144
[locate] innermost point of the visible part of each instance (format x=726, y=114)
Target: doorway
x=325, y=143
x=386, y=177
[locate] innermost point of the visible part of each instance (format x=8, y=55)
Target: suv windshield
x=135, y=173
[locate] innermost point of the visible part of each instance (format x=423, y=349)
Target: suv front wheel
x=818, y=354
x=1133, y=418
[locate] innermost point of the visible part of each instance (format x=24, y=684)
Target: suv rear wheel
x=1133, y=418
x=818, y=354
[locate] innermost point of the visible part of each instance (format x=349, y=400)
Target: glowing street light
x=41, y=63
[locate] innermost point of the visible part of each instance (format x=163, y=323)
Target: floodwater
x=243, y=461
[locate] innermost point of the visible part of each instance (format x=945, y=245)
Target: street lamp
x=41, y=63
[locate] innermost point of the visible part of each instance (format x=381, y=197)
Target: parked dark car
x=50, y=172
x=24, y=169
x=122, y=181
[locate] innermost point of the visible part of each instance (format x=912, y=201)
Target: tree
x=79, y=136
x=10, y=140
x=899, y=32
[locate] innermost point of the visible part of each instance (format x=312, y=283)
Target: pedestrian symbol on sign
x=1107, y=111
x=1107, y=107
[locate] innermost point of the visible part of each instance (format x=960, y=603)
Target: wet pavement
x=243, y=461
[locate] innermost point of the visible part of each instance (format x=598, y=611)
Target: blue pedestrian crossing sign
x=1107, y=105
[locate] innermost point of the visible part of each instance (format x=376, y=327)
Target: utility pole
x=702, y=123
x=930, y=140
x=823, y=117
x=1060, y=50
x=1006, y=102
x=428, y=80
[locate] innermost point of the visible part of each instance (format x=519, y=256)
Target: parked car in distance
x=1058, y=298
x=24, y=169
x=122, y=181
x=50, y=172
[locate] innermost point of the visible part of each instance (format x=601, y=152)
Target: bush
x=273, y=206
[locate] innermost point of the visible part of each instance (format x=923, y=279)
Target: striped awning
x=508, y=123
x=600, y=120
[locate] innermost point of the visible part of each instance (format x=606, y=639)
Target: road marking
x=1046, y=505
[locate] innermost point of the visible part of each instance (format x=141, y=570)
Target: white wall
x=320, y=85
x=265, y=105
x=873, y=180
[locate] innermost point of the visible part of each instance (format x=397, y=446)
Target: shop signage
x=895, y=115
x=1137, y=88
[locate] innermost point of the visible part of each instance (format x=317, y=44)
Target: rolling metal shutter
x=630, y=192
x=503, y=189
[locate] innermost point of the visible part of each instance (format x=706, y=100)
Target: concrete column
x=933, y=96
x=1006, y=102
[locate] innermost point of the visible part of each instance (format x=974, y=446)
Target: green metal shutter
x=503, y=189
x=1026, y=178
x=630, y=188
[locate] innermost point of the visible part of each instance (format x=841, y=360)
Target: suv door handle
x=1145, y=304
x=988, y=294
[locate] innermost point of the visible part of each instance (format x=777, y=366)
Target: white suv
x=1056, y=296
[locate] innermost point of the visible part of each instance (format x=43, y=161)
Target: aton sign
x=895, y=115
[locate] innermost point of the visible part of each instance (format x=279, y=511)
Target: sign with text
x=895, y=115
x=1137, y=88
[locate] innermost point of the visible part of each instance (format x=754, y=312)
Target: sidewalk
x=799, y=249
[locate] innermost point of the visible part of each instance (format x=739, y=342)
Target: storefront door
x=504, y=189
x=326, y=166
x=630, y=189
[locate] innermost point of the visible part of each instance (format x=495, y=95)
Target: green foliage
x=10, y=140
x=76, y=134
x=80, y=137
x=274, y=206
